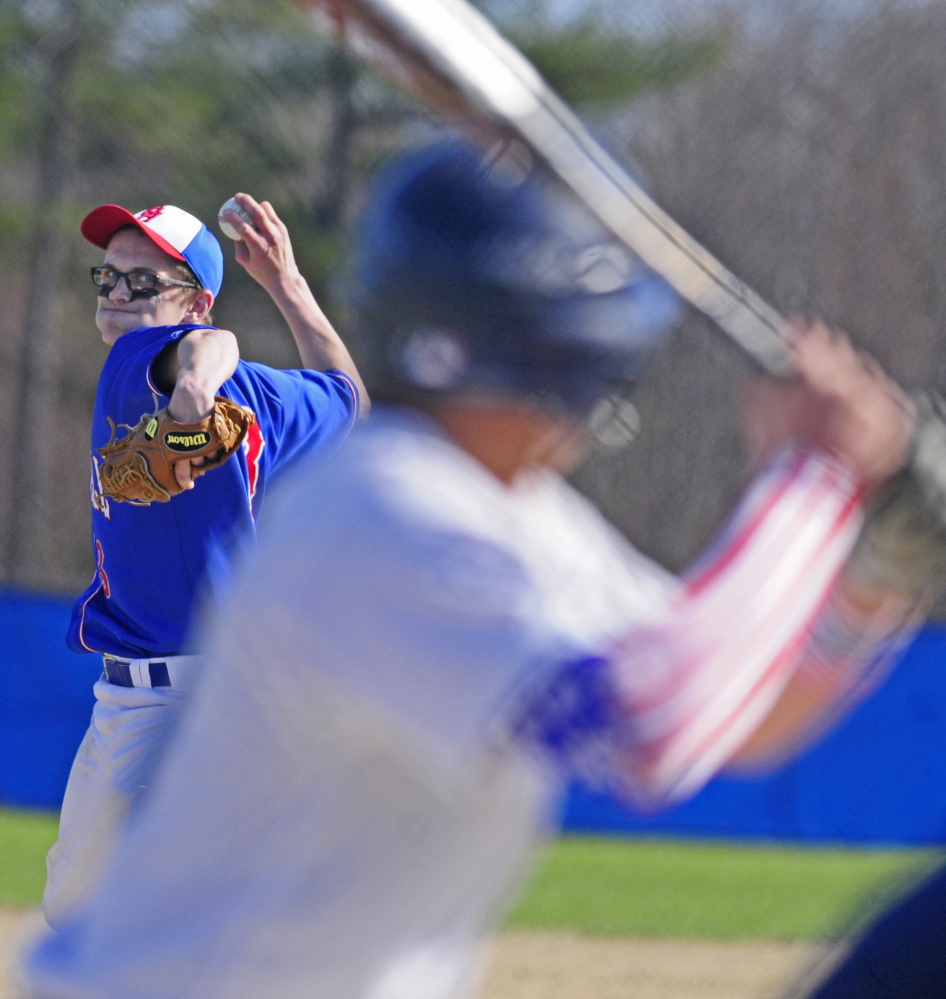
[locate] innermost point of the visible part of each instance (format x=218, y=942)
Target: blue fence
x=45, y=699
x=878, y=778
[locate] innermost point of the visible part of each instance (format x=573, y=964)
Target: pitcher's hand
x=264, y=248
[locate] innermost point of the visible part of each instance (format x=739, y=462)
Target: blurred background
x=803, y=143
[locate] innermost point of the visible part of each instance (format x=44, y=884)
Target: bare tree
x=813, y=162
x=811, y=158
x=34, y=421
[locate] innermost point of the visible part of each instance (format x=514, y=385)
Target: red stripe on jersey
x=698, y=682
x=698, y=612
x=350, y=385
x=705, y=573
x=253, y=445
x=85, y=604
x=100, y=568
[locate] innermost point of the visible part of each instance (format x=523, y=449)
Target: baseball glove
x=139, y=468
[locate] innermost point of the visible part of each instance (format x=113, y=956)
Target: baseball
x=232, y=206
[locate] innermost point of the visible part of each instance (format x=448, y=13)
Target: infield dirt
x=530, y=965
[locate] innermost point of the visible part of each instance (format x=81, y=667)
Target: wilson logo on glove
x=139, y=468
x=186, y=442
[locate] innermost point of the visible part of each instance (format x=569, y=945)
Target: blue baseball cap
x=179, y=234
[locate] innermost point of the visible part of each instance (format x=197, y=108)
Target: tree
x=812, y=161
x=203, y=100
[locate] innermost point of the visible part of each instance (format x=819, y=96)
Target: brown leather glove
x=139, y=468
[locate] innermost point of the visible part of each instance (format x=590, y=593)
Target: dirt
x=16, y=928
x=567, y=966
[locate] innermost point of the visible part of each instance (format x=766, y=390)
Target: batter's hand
x=841, y=401
x=264, y=248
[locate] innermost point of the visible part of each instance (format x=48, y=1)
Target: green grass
x=605, y=887
x=617, y=887
x=25, y=838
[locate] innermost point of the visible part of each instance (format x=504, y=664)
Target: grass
x=661, y=888
x=621, y=887
x=25, y=838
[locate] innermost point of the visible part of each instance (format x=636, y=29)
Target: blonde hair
x=183, y=271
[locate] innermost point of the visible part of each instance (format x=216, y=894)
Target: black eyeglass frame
x=156, y=279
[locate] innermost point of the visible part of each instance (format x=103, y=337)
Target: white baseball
x=232, y=206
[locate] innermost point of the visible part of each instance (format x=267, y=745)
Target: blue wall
x=45, y=699
x=879, y=778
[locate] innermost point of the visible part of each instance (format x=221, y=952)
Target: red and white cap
x=178, y=233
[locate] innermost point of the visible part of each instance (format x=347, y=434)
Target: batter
x=372, y=754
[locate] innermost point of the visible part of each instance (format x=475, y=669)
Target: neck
x=508, y=438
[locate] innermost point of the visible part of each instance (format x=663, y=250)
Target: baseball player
x=372, y=754
x=156, y=286
x=901, y=955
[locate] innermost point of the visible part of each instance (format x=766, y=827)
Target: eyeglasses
x=139, y=282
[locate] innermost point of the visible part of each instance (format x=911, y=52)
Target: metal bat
x=453, y=59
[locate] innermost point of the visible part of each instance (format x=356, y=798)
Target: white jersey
x=375, y=743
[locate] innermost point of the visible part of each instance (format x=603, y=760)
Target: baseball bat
x=452, y=58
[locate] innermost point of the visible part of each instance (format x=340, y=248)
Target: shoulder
x=294, y=379
x=147, y=340
x=146, y=337
x=296, y=386
x=142, y=346
x=397, y=487
x=415, y=472
x=125, y=383
x=598, y=537
x=595, y=582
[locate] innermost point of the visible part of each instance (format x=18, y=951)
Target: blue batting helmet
x=477, y=278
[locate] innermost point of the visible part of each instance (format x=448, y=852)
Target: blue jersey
x=152, y=561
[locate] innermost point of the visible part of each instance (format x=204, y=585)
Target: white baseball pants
x=111, y=769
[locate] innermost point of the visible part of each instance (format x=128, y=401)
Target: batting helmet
x=475, y=276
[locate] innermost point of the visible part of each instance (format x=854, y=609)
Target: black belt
x=118, y=672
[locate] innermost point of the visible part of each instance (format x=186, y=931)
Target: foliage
x=186, y=102
x=19, y=45
x=590, y=65
x=172, y=101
